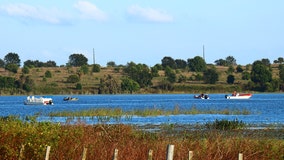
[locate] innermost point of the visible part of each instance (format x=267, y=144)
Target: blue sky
x=142, y=31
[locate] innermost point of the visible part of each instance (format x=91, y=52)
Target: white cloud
x=31, y=12
x=149, y=14
x=89, y=10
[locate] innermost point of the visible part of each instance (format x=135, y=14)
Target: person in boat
x=235, y=93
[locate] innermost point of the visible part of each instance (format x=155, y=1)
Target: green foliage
x=37, y=63
x=2, y=63
x=48, y=74
x=261, y=74
x=26, y=70
x=29, y=84
x=79, y=86
x=12, y=67
x=111, y=64
x=139, y=73
x=7, y=82
x=169, y=62
x=12, y=58
x=77, y=60
x=73, y=79
x=226, y=124
x=84, y=69
x=281, y=72
x=129, y=86
x=182, y=78
x=181, y=64
x=108, y=85
x=230, y=69
x=171, y=76
x=210, y=76
x=197, y=64
x=239, y=69
x=230, y=79
x=165, y=85
x=96, y=68
x=245, y=75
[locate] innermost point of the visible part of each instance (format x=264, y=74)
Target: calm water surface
x=264, y=108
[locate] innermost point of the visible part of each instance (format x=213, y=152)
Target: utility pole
x=94, y=62
x=203, y=52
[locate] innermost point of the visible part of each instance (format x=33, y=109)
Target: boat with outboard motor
x=239, y=96
x=201, y=96
x=70, y=99
x=32, y=100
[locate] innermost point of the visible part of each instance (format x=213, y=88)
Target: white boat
x=31, y=100
x=239, y=96
x=70, y=99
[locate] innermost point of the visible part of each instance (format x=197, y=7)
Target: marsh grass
x=68, y=141
x=118, y=112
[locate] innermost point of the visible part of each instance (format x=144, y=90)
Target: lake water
x=264, y=108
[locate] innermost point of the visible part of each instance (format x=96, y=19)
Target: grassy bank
x=67, y=141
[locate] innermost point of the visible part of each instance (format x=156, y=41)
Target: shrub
x=73, y=79
x=225, y=124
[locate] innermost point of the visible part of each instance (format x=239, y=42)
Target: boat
x=239, y=96
x=32, y=100
x=201, y=96
x=70, y=99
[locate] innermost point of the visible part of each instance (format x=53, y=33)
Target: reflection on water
x=264, y=108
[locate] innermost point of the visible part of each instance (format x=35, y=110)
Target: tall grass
x=67, y=141
x=118, y=112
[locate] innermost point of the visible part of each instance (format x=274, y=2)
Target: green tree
x=12, y=58
x=239, y=69
x=170, y=62
x=281, y=72
x=221, y=62
x=79, y=86
x=230, y=60
x=77, y=60
x=85, y=69
x=129, y=85
x=111, y=64
x=12, y=67
x=139, y=73
x=180, y=63
x=230, y=79
x=2, y=63
x=108, y=85
x=245, y=75
x=231, y=69
x=26, y=70
x=28, y=84
x=170, y=74
x=96, y=68
x=196, y=64
x=261, y=75
x=210, y=76
x=73, y=79
x=48, y=74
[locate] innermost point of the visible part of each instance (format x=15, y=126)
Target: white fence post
x=170, y=152
x=150, y=154
x=84, y=153
x=47, y=153
x=241, y=156
x=115, y=155
x=190, y=155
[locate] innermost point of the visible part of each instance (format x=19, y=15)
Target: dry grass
x=67, y=141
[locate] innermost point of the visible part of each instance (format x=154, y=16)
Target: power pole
x=94, y=62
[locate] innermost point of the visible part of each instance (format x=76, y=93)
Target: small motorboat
x=32, y=100
x=201, y=96
x=239, y=96
x=70, y=99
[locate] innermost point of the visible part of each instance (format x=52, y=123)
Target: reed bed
x=68, y=141
x=112, y=112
